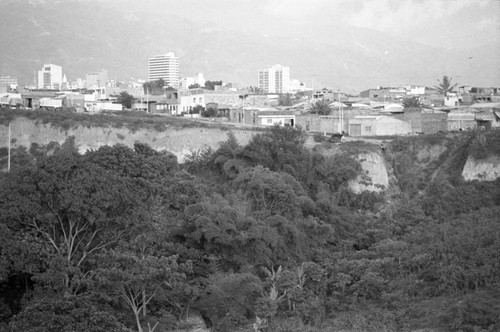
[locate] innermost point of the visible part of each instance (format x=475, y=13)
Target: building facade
x=275, y=79
x=96, y=80
x=8, y=83
x=164, y=67
x=188, y=99
x=50, y=77
x=185, y=82
x=377, y=125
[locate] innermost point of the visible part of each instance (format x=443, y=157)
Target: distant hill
x=84, y=36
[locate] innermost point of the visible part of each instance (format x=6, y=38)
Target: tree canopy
x=125, y=99
x=155, y=87
x=412, y=102
x=445, y=85
x=210, y=85
x=321, y=107
x=266, y=236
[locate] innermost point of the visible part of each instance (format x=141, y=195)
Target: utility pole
x=8, y=158
x=341, y=114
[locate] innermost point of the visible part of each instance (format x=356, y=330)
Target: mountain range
x=86, y=36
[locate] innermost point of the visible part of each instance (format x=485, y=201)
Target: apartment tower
x=165, y=67
x=275, y=79
x=50, y=77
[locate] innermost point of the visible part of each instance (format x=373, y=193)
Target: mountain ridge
x=86, y=36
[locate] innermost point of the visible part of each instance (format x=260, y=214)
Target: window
x=270, y=121
x=368, y=128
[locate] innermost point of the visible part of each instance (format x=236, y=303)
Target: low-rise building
x=269, y=118
x=191, y=98
x=31, y=98
x=461, y=120
x=384, y=94
x=245, y=115
x=318, y=123
x=8, y=84
x=451, y=100
x=378, y=125
x=265, y=117
x=423, y=120
x=11, y=99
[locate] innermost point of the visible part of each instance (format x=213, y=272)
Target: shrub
x=319, y=137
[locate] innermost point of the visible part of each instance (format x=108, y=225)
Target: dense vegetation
x=263, y=237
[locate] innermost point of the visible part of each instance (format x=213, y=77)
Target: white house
x=272, y=117
x=451, y=100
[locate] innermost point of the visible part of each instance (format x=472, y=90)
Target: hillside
x=408, y=164
x=269, y=233
x=177, y=135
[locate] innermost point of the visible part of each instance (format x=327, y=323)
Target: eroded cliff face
x=375, y=176
x=484, y=169
x=179, y=141
x=377, y=173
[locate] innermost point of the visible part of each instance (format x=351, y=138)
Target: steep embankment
x=453, y=157
x=179, y=141
x=407, y=163
x=375, y=177
x=487, y=169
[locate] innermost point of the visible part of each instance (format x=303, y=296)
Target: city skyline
x=348, y=45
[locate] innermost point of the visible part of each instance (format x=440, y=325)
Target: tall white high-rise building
x=165, y=67
x=50, y=77
x=275, y=79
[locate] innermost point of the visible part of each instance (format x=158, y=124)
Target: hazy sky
x=344, y=42
x=448, y=23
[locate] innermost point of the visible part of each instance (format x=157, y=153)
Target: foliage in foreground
x=265, y=236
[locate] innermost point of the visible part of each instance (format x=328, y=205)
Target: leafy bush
x=319, y=137
x=65, y=314
x=485, y=144
x=475, y=312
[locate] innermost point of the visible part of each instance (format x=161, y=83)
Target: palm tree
x=412, y=102
x=321, y=107
x=445, y=85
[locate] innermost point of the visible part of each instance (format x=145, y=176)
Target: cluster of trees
x=157, y=87
x=126, y=99
x=266, y=237
x=209, y=85
x=208, y=112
